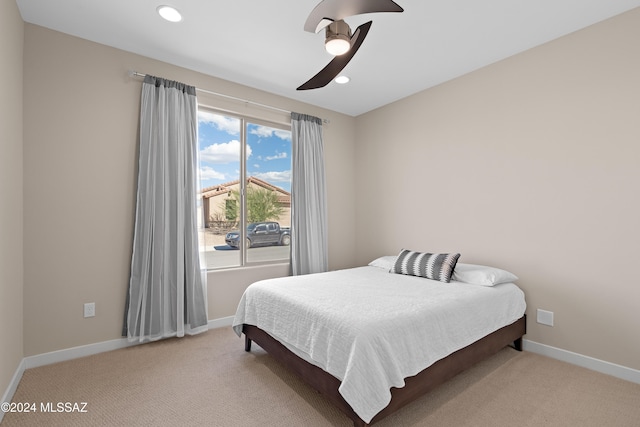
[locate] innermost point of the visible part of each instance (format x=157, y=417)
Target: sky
x=268, y=151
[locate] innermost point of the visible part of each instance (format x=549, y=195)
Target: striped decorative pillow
x=432, y=266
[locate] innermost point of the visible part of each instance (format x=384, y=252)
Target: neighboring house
x=216, y=198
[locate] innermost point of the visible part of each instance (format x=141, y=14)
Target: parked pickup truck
x=261, y=233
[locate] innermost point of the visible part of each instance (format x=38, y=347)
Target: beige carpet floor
x=209, y=380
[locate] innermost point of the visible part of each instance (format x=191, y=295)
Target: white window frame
x=244, y=121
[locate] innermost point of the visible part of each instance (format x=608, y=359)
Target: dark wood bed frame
x=416, y=386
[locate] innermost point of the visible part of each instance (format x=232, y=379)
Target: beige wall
x=11, y=193
x=531, y=164
x=80, y=139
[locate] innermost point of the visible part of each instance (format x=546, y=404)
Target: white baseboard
x=221, y=323
x=591, y=363
x=100, y=347
x=76, y=352
x=13, y=386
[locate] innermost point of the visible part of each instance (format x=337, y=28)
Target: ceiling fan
x=339, y=41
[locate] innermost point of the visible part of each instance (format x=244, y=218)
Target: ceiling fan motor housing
x=338, y=37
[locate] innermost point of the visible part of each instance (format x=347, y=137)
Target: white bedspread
x=371, y=329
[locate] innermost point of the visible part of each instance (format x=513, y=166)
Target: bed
x=372, y=341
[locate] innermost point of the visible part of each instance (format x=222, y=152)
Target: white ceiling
x=262, y=44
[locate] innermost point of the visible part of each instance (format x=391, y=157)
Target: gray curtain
x=309, y=235
x=167, y=287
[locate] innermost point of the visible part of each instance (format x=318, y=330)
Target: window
x=245, y=189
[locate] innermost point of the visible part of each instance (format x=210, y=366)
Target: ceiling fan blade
x=333, y=10
x=336, y=65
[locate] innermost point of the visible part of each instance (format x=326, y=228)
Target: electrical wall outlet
x=90, y=309
x=545, y=317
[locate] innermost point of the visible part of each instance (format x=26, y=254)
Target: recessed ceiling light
x=169, y=13
x=342, y=80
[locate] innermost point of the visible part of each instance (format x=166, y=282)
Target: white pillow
x=385, y=262
x=481, y=275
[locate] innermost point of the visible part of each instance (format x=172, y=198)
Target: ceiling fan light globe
x=337, y=45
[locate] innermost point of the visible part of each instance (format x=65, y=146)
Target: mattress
x=371, y=329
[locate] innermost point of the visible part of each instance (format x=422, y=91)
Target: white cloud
x=262, y=131
x=275, y=176
x=266, y=132
x=283, y=134
x=207, y=172
x=277, y=156
x=226, y=152
x=227, y=124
